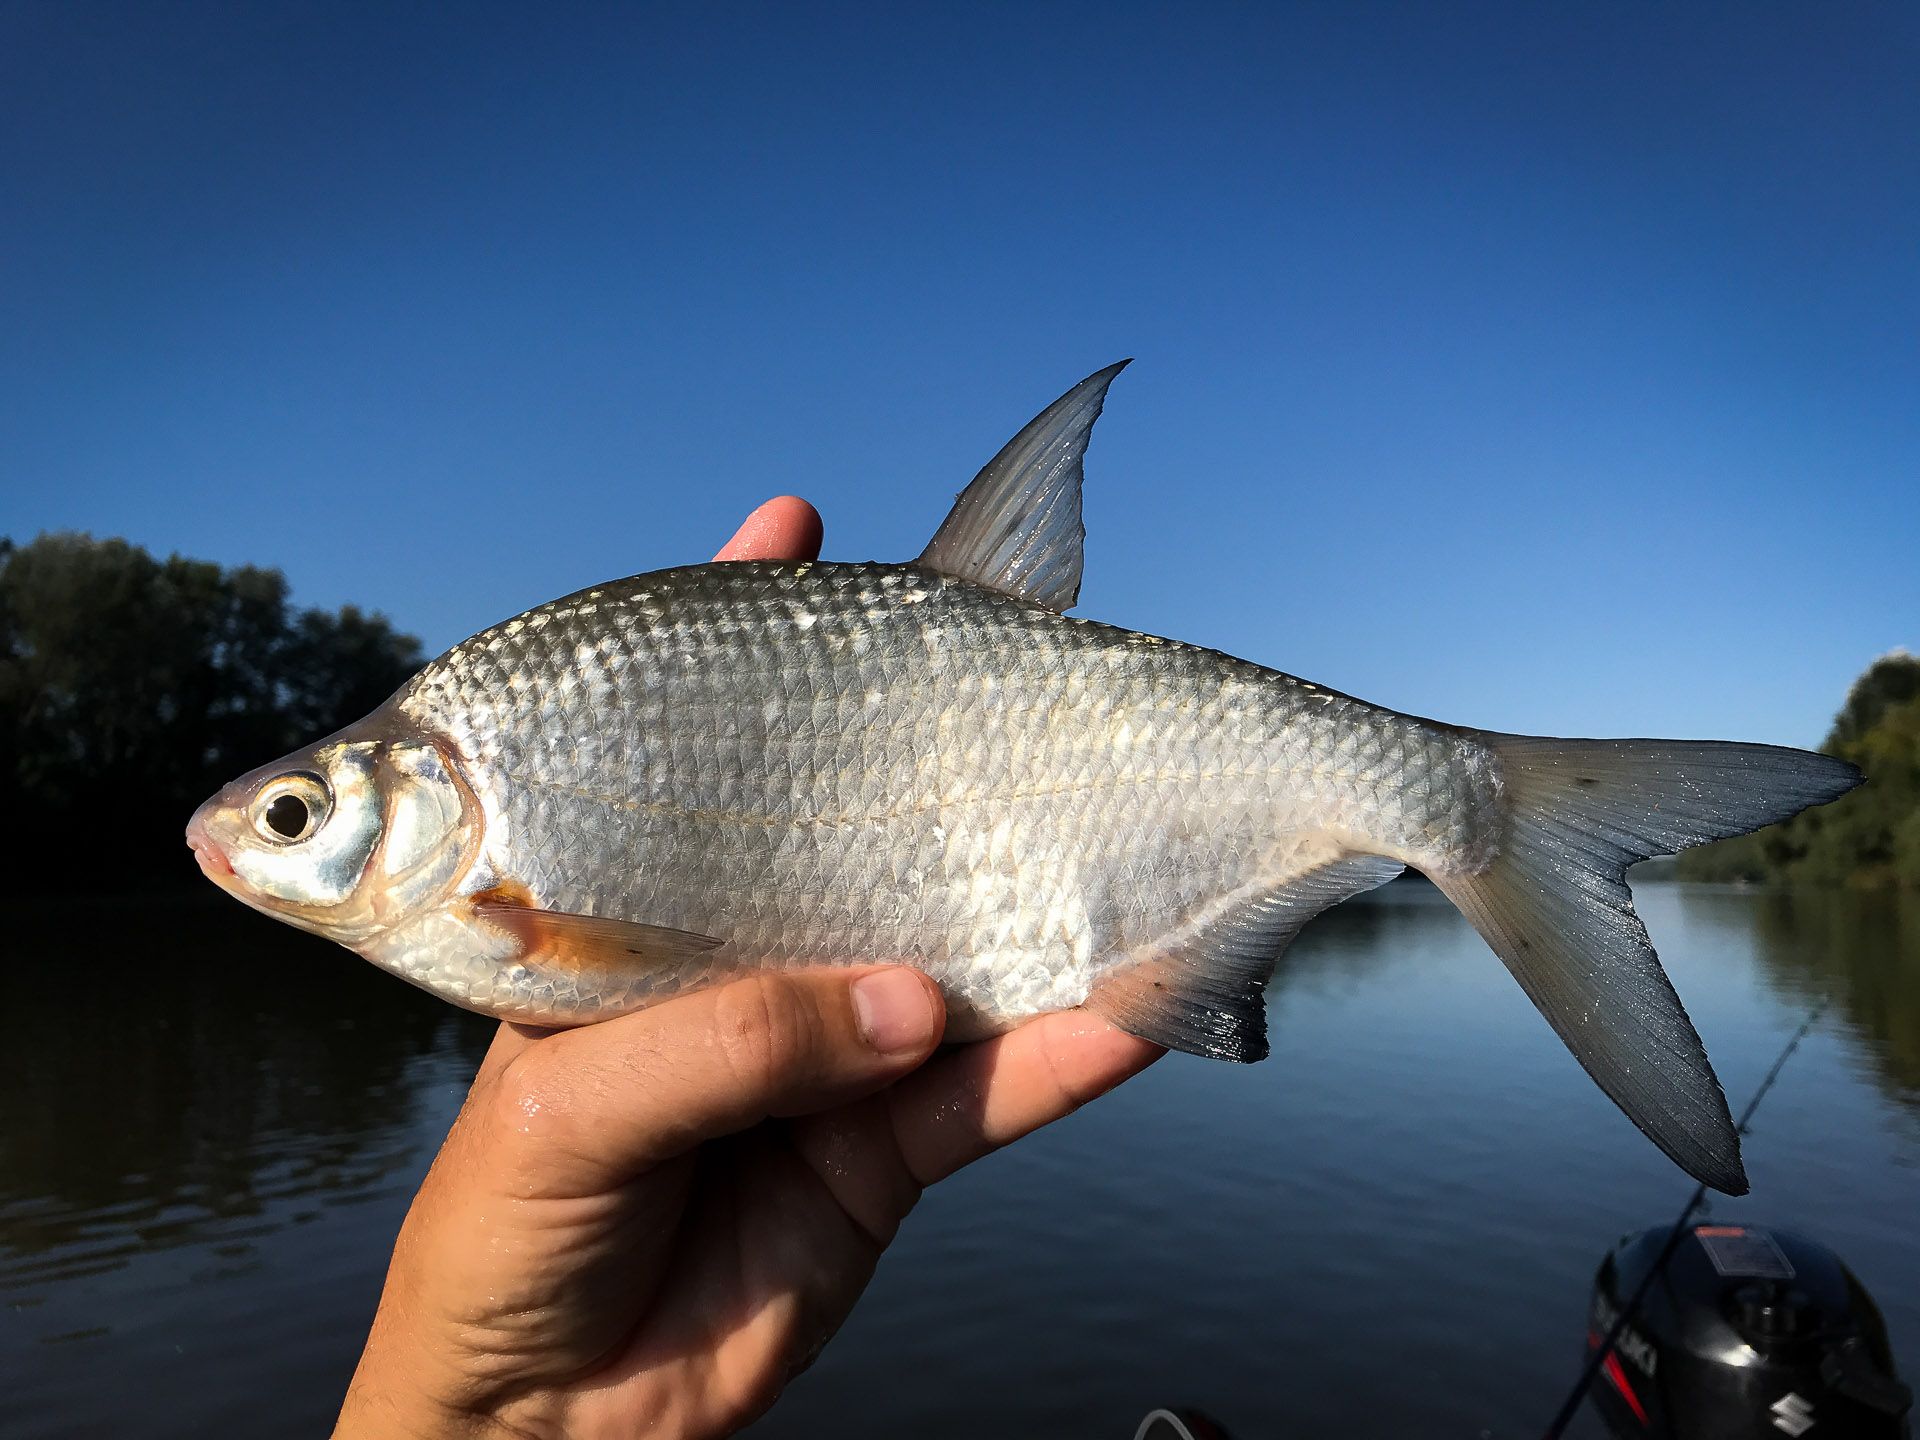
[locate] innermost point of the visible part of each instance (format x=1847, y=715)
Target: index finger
x=604, y=1102
x=784, y=528
x=966, y=1104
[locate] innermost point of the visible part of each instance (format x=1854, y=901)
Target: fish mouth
x=213, y=860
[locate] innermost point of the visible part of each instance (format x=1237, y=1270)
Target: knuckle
x=765, y=1028
x=541, y=1114
x=1070, y=1090
x=526, y=1090
x=535, y=1104
x=525, y=1106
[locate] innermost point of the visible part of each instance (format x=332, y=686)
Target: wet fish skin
x=657, y=783
x=843, y=763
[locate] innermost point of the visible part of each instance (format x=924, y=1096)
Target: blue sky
x=1546, y=368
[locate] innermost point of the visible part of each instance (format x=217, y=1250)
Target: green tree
x=132, y=687
x=1871, y=838
x=1890, y=681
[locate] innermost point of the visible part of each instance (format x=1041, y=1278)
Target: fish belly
x=845, y=764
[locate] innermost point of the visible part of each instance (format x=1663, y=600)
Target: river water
x=1387, y=1229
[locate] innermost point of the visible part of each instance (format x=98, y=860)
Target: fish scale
x=796, y=808
x=659, y=783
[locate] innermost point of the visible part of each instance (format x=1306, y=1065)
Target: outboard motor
x=1746, y=1334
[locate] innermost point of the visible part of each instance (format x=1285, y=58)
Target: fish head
x=348, y=837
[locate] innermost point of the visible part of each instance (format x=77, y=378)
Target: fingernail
x=893, y=1010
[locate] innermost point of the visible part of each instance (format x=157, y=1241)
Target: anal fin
x=1202, y=988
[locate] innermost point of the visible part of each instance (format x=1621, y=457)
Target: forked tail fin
x=1554, y=906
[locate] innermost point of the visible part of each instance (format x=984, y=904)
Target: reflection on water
x=202, y=1071
x=1388, y=1228
x=191, y=1086
x=1862, y=951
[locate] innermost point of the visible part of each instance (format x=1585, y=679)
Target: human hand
x=650, y=1225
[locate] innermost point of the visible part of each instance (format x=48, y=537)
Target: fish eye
x=291, y=808
x=288, y=814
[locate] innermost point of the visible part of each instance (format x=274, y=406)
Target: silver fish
x=664, y=781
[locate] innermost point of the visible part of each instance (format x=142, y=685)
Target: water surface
x=1387, y=1229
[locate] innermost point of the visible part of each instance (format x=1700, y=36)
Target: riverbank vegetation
x=1869, y=839
x=132, y=687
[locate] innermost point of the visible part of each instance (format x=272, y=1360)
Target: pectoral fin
x=1017, y=527
x=578, y=942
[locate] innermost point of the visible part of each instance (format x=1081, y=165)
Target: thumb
x=606, y=1102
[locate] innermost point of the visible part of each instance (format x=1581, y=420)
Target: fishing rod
x=1598, y=1358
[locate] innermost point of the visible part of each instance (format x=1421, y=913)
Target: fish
x=662, y=782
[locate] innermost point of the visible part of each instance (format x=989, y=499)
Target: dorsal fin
x=1017, y=527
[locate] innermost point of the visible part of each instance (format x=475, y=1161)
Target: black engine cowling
x=1745, y=1334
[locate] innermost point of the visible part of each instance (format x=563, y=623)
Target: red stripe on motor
x=1619, y=1379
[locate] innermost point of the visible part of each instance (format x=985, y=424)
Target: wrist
x=380, y=1404
x=369, y=1412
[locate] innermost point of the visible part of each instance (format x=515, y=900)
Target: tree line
x=1870, y=839
x=132, y=687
